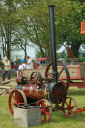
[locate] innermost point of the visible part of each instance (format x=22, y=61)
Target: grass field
x=58, y=120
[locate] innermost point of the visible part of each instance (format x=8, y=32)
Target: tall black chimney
x=53, y=45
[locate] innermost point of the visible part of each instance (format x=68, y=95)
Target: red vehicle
x=14, y=64
x=41, y=62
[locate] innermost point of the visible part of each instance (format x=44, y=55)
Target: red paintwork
x=70, y=52
x=32, y=92
x=42, y=59
x=15, y=100
x=35, y=66
x=38, y=60
x=45, y=112
x=81, y=110
x=14, y=66
x=71, y=107
x=77, y=84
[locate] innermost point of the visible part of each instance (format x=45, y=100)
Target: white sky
x=20, y=54
x=31, y=52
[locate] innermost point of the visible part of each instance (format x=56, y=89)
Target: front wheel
x=16, y=97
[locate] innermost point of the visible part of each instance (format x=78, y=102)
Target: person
x=23, y=65
x=7, y=68
x=29, y=62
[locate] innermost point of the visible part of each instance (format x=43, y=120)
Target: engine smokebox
x=57, y=92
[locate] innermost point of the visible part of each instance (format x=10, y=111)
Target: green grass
x=58, y=120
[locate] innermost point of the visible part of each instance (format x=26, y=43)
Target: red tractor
x=42, y=62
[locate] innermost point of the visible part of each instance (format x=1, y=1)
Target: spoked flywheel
x=62, y=69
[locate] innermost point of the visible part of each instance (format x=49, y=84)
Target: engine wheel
x=46, y=112
x=36, y=79
x=16, y=97
x=49, y=75
x=70, y=107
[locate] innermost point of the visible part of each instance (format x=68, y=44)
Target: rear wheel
x=70, y=107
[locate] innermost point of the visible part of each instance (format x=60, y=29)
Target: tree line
x=24, y=21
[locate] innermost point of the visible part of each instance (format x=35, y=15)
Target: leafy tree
x=29, y=20
x=35, y=18
x=7, y=25
x=68, y=27
x=36, y=26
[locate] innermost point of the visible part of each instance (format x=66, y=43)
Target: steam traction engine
x=42, y=92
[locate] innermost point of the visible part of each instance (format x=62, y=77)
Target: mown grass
x=58, y=120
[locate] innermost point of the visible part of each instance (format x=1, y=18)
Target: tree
x=35, y=18
x=29, y=20
x=68, y=27
x=8, y=24
x=37, y=27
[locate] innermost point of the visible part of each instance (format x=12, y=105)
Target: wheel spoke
x=34, y=76
x=32, y=81
x=50, y=74
x=73, y=107
x=44, y=117
x=43, y=109
x=37, y=76
x=13, y=98
x=38, y=82
x=70, y=102
x=67, y=104
x=42, y=103
x=19, y=98
x=72, y=112
x=21, y=103
x=62, y=81
x=46, y=112
x=12, y=104
x=16, y=95
x=60, y=72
